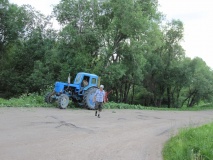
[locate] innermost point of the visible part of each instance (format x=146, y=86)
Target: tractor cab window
x=78, y=79
x=93, y=81
x=85, y=81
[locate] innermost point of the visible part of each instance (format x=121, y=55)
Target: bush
x=30, y=100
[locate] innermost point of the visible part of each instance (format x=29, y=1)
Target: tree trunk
x=116, y=93
x=169, y=97
x=133, y=93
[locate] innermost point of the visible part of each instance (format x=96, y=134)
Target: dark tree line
x=124, y=42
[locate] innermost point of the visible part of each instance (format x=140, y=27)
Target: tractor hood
x=59, y=86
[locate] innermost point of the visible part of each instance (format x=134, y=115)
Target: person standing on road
x=99, y=100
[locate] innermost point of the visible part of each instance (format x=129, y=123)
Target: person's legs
x=96, y=108
x=99, y=113
x=99, y=109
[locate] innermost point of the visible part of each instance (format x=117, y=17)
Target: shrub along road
x=54, y=134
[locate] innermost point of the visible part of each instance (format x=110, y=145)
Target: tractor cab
x=86, y=80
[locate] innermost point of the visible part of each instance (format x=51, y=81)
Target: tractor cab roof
x=79, y=77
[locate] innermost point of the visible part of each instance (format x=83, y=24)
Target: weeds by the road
x=30, y=100
x=113, y=105
x=35, y=100
x=191, y=144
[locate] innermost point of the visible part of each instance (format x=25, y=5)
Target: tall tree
x=201, y=86
x=12, y=24
x=22, y=44
x=125, y=26
x=79, y=39
x=173, y=54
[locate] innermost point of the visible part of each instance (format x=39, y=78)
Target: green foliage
x=124, y=42
x=191, y=144
x=113, y=105
x=36, y=100
x=23, y=44
x=31, y=100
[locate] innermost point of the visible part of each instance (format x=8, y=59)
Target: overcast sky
x=196, y=15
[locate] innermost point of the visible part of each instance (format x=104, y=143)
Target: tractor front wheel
x=48, y=97
x=88, y=98
x=63, y=101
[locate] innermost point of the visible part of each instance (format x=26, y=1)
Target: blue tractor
x=82, y=91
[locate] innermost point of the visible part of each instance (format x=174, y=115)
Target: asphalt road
x=54, y=134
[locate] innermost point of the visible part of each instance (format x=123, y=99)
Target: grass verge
x=113, y=105
x=35, y=100
x=191, y=144
x=31, y=100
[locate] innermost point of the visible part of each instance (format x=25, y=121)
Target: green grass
x=113, y=105
x=35, y=100
x=31, y=100
x=191, y=144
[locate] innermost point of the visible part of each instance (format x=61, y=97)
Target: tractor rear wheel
x=88, y=98
x=63, y=101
